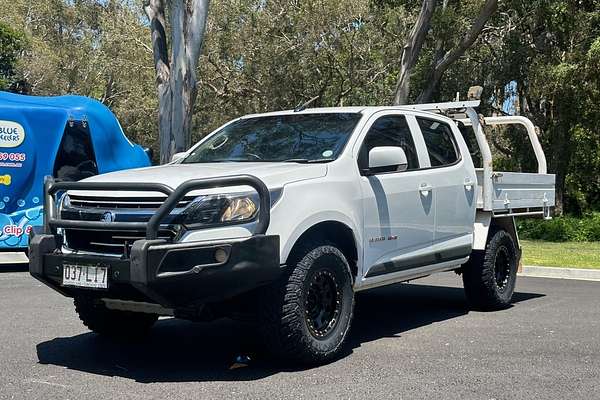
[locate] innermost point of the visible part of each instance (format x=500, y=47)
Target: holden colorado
x=282, y=217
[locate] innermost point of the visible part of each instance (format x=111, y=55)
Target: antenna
x=302, y=106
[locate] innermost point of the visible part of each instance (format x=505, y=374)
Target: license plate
x=90, y=276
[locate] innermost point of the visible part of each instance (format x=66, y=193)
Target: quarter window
x=440, y=142
x=390, y=130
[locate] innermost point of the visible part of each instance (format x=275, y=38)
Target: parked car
x=66, y=137
x=282, y=217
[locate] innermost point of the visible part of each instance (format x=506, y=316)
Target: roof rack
x=451, y=105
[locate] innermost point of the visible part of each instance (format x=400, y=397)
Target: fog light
x=220, y=255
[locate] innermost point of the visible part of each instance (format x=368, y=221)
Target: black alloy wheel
x=323, y=304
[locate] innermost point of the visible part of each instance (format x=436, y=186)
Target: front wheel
x=306, y=316
x=490, y=276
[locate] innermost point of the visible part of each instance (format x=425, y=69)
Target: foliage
x=338, y=51
x=562, y=229
x=262, y=55
x=548, y=47
x=12, y=43
x=91, y=48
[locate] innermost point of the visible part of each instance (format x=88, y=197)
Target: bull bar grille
x=153, y=227
x=144, y=203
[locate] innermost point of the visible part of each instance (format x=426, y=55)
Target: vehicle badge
x=107, y=217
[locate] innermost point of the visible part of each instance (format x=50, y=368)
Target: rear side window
x=440, y=142
x=390, y=130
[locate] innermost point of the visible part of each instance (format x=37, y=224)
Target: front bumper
x=172, y=275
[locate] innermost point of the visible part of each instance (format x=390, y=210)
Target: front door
x=399, y=211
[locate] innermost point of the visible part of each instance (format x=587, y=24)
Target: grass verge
x=561, y=254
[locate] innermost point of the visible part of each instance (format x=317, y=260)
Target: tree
x=441, y=64
x=441, y=60
x=176, y=74
x=412, y=50
x=91, y=48
x=553, y=53
x=12, y=43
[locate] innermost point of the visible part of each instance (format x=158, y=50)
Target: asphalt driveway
x=409, y=341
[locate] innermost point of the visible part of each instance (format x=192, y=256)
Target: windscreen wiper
x=307, y=161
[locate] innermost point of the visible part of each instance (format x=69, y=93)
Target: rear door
x=452, y=177
x=399, y=212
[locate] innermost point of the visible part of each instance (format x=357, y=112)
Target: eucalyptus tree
x=176, y=63
x=443, y=57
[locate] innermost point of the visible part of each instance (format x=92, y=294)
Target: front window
x=292, y=138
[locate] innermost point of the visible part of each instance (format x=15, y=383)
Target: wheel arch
x=336, y=232
x=486, y=224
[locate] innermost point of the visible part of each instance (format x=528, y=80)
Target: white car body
x=404, y=224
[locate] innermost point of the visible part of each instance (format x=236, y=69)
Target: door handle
x=469, y=183
x=425, y=188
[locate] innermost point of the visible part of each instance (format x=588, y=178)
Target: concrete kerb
x=560, y=273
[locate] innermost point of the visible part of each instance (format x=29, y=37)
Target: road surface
x=409, y=341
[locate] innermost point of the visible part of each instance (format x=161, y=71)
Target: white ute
x=284, y=216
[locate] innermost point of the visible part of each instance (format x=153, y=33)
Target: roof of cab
x=367, y=110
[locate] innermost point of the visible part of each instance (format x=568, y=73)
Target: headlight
x=239, y=209
x=220, y=209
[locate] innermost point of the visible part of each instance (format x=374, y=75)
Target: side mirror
x=387, y=159
x=178, y=156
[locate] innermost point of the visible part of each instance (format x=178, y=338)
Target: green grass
x=561, y=254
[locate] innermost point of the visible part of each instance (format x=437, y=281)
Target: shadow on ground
x=181, y=351
x=14, y=267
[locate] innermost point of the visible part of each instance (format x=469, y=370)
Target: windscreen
x=292, y=138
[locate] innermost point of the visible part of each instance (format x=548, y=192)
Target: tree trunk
x=441, y=65
x=560, y=161
x=411, y=51
x=176, y=78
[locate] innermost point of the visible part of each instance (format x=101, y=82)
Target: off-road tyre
x=113, y=323
x=290, y=323
x=489, y=277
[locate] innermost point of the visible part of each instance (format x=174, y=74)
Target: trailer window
x=440, y=142
x=390, y=130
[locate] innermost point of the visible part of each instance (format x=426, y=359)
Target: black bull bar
x=251, y=261
x=51, y=188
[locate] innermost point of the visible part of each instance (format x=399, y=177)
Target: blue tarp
x=31, y=130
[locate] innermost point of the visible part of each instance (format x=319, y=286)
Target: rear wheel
x=306, y=316
x=490, y=275
x=113, y=323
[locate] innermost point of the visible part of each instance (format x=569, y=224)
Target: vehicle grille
x=124, y=203
x=108, y=242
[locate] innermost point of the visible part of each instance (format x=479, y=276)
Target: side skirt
x=408, y=274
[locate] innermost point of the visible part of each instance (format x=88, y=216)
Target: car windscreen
x=291, y=137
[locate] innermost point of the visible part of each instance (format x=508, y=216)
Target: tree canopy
x=538, y=58
x=11, y=44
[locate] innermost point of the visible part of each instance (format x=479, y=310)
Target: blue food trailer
x=67, y=137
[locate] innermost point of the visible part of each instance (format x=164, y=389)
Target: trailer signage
x=12, y=134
